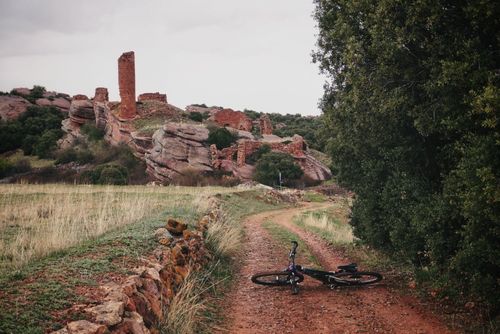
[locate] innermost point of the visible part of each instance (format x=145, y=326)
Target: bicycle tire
x=275, y=278
x=357, y=278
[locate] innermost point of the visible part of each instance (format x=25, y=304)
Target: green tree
x=221, y=137
x=411, y=109
x=271, y=164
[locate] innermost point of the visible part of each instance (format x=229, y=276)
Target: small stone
x=412, y=285
x=110, y=313
x=175, y=227
x=86, y=327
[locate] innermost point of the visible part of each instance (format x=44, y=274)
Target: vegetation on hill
x=273, y=164
x=36, y=131
x=221, y=137
x=411, y=111
x=309, y=127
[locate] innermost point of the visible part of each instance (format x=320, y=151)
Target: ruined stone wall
x=126, y=83
x=100, y=99
x=266, y=127
x=153, y=97
x=233, y=119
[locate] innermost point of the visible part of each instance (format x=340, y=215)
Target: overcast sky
x=233, y=53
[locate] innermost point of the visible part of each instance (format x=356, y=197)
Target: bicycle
x=347, y=275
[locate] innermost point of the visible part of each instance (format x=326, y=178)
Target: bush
x=5, y=167
x=46, y=143
x=106, y=174
x=37, y=129
x=255, y=156
x=37, y=92
x=21, y=166
x=79, y=155
x=221, y=137
x=92, y=132
x=196, y=116
x=271, y=164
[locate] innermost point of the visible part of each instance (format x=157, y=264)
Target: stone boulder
x=81, y=110
x=177, y=148
x=11, y=106
x=58, y=102
x=313, y=168
x=175, y=227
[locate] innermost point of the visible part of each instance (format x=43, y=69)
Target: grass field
x=36, y=220
x=60, y=242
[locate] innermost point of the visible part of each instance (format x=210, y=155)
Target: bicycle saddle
x=349, y=267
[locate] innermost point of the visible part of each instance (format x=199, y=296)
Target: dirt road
x=251, y=308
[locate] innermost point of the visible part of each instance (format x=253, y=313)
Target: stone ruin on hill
x=170, y=143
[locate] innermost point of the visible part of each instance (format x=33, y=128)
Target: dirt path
x=257, y=309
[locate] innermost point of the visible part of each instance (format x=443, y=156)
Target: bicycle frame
x=326, y=277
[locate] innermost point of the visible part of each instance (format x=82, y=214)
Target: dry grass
x=186, y=310
x=224, y=236
x=332, y=229
x=38, y=219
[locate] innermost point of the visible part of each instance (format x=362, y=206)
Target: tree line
x=411, y=106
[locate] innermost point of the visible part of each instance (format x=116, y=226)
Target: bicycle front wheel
x=277, y=278
x=357, y=278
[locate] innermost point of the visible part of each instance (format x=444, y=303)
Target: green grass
x=34, y=161
x=284, y=238
x=312, y=196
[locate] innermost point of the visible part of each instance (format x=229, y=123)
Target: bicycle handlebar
x=295, y=244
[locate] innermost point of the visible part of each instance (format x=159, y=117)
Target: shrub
x=81, y=155
x=255, y=156
x=92, y=132
x=5, y=167
x=106, y=174
x=221, y=137
x=46, y=143
x=11, y=135
x=22, y=166
x=196, y=116
x=66, y=155
x=271, y=164
x=37, y=92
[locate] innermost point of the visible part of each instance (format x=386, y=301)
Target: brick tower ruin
x=126, y=83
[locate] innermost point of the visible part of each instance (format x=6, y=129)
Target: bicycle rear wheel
x=357, y=278
x=276, y=278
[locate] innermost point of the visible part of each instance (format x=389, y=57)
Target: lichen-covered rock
x=109, y=313
x=11, y=106
x=86, y=327
x=176, y=149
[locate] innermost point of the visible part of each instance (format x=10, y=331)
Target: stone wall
x=126, y=83
x=233, y=119
x=101, y=98
x=266, y=127
x=153, y=97
x=141, y=302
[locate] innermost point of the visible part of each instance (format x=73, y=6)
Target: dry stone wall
x=142, y=301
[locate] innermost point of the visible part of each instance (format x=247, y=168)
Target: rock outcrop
x=233, y=119
x=11, y=106
x=81, y=111
x=178, y=147
x=126, y=83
